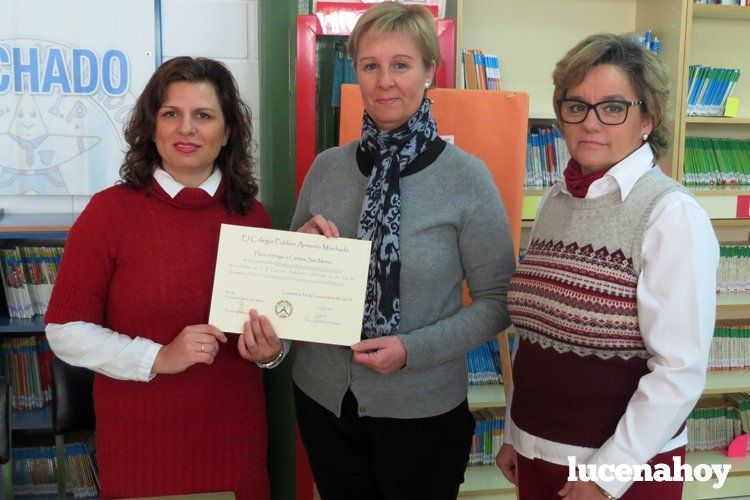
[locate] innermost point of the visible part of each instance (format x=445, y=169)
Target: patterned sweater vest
x=573, y=303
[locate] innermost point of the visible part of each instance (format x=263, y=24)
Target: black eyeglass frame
x=589, y=107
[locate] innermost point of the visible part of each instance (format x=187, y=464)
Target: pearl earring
x=645, y=137
x=427, y=84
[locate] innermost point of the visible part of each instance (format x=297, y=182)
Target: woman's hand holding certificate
x=310, y=287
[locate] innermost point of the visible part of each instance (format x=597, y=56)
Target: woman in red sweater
x=179, y=407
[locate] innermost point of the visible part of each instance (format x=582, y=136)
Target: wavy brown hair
x=235, y=160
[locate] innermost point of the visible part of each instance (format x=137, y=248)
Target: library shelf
x=737, y=484
x=728, y=301
x=725, y=381
x=22, y=325
x=485, y=480
x=70, y=496
x=719, y=120
x=729, y=223
x=731, y=12
x=720, y=203
x=534, y=191
x=486, y=396
x=740, y=466
x=36, y=226
x=721, y=191
x=32, y=419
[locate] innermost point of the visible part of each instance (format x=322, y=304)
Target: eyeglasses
x=608, y=112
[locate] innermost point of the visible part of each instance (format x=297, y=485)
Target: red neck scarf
x=575, y=180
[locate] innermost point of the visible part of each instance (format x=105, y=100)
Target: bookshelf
x=486, y=396
x=33, y=229
x=486, y=481
x=524, y=31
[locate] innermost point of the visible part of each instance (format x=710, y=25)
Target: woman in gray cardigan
x=388, y=417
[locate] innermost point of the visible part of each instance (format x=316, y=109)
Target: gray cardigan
x=453, y=227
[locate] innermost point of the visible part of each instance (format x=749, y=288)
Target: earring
x=427, y=84
x=645, y=137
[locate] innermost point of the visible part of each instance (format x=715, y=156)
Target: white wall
x=226, y=30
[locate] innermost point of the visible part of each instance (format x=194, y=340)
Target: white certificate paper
x=311, y=288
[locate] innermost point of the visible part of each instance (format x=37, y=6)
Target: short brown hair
x=647, y=74
x=393, y=17
x=235, y=160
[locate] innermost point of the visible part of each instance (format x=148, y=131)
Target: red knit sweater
x=143, y=265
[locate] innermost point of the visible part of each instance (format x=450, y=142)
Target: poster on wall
x=70, y=72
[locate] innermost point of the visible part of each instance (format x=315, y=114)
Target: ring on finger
x=203, y=347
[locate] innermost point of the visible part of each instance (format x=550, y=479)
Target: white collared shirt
x=173, y=187
x=105, y=351
x=676, y=297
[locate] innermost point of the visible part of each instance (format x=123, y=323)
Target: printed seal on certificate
x=283, y=309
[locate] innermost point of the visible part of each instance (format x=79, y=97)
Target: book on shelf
x=716, y=162
x=716, y=422
x=733, y=275
x=546, y=157
x=484, y=363
x=730, y=348
x=481, y=71
x=25, y=362
x=488, y=436
x=29, y=274
x=739, y=3
x=34, y=471
x=709, y=88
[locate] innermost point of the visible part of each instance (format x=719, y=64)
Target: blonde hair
x=647, y=74
x=393, y=17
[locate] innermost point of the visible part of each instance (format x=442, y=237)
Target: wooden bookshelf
x=730, y=301
x=534, y=192
x=486, y=480
x=718, y=120
x=736, y=486
x=486, y=396
x=726, y=381
x=719, y=191
x=720, y=203
x=36, y=225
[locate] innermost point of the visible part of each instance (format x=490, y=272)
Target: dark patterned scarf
x=380, y=220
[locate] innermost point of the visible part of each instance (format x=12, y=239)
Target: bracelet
x=605, y=493
x=274, y=362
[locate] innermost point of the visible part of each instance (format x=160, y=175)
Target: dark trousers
x=367, y=458
x=541, y=480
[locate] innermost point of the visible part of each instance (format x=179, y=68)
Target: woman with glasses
x=614, y=302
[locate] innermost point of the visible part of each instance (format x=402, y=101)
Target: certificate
x=310, y=287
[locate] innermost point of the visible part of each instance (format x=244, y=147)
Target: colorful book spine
x=730, y=348
x=25, y=363
x=29, y=274
x=488, y=436
x=709, y=88
x=738, y=3
x=716, y=162
x=546, y=157
x=34, y=471
x=480, y=71
x=484, y=364
x=716, y=422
